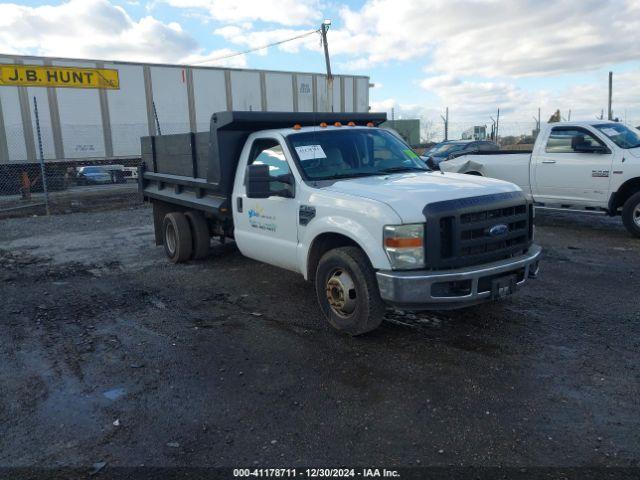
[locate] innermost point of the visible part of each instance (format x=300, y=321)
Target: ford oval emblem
x=498, y=230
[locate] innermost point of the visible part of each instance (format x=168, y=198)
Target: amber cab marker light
x=323, y=125
x=297, y=126
x=403, y=242
x=369, y=124
x=337, y=124
x=351, y=124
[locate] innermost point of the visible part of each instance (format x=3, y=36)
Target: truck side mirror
x=258, y=181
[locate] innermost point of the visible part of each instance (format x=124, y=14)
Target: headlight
x=404, y=245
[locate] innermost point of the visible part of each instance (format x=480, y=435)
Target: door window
x=269, y=152
x=570, y=140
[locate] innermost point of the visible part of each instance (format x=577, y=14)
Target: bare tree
x=428, y=131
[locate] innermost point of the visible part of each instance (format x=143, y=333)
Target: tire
x=359, y=311
x=200, y=234
x=176, y=237
x=631, y=214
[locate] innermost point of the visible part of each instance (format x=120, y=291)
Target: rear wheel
x=631, y=214
x=176, y=237
x=199, y=233
x=347, y=291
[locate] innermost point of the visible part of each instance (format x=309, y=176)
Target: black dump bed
x=197, y=170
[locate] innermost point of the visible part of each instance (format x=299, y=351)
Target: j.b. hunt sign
x=51, y=76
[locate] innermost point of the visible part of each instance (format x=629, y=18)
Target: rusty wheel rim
x=341, y=292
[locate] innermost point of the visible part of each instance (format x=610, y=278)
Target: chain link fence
x=510, y=133
x=77, y=172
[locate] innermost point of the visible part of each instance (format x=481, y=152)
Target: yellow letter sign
x=51, y=76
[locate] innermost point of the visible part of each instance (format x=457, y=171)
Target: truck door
x=573, y=166
x=266, y=229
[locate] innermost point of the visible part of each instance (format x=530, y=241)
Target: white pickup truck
x=344, y=203
x=574, y=165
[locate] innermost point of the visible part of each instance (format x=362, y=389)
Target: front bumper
x=422, y=290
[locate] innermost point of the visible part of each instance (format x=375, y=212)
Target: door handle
x=239, y=204
x=548, y=161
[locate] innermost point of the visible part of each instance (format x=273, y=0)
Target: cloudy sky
x=422, y=55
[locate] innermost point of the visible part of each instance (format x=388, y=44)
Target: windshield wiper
x=402, y=169
x=348, y=175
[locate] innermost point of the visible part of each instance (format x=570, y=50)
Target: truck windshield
x=621, y=135
x=352, y=152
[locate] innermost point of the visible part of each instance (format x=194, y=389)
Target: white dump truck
x=347, y=205
x=591, y=165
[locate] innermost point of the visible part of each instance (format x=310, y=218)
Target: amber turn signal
x=394, y=242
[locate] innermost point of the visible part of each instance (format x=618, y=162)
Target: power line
x=223, y=57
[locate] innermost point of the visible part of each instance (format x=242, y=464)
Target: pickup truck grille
x=477, y=230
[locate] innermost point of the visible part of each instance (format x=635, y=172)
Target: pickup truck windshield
x=621, y=135
x=352, y=152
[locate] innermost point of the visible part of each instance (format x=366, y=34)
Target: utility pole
x=323, y=30
x=569, y=116
x=610, y=114
x=497, y=125
x=445, y=119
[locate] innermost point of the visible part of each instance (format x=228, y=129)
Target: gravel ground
x=110, y=354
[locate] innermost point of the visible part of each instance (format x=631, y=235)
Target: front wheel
x=347, y=291
x=631, y=214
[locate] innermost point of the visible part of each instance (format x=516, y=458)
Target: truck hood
x=408, y=193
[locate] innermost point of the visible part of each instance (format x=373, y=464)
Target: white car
x=574, y=165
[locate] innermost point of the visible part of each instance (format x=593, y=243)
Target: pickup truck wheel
x=200, y=234
x=631, y=214
x=176, y=236
x=347, y=291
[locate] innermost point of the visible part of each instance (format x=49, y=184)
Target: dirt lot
x=110, y=354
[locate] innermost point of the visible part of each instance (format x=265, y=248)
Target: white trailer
x=82, y=121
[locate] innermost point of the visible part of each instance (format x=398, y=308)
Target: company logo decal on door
x=258, y=219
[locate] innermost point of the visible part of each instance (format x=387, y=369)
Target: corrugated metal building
x=80, y=122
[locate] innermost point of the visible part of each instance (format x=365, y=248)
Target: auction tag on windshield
x=611, y=132
x=310, y=152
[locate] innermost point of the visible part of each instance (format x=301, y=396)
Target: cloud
x=90, y=29
x=283, y=12
x=489, y=38
x=241, y=35
x=475, y=102
x=477, y=97
x=213, y=59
